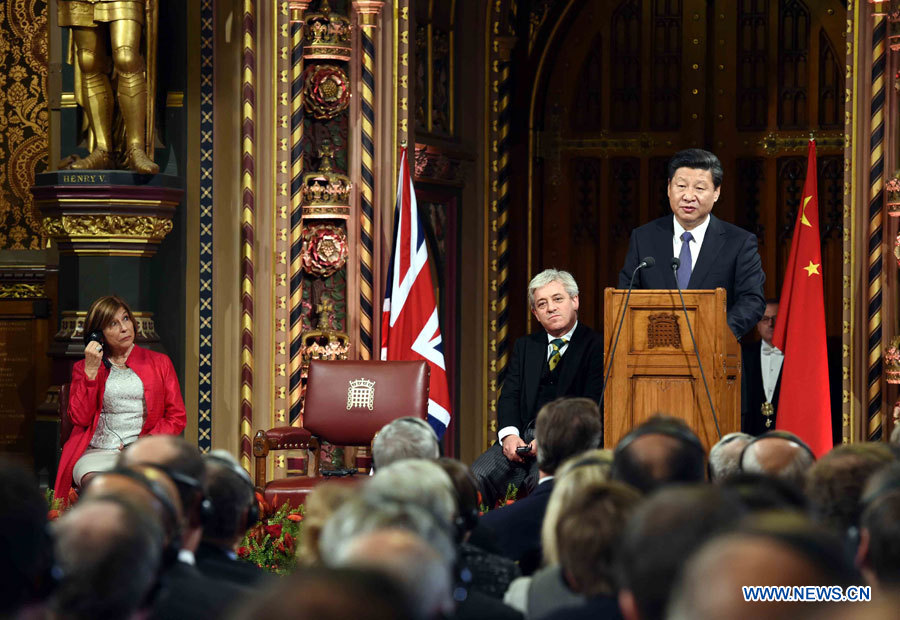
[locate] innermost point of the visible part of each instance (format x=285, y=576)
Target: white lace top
x=122, y=416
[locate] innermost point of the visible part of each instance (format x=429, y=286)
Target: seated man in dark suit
x=565, y=427
x=761, y=376
x=565, y=358
x=711, y=253
x=230, y=493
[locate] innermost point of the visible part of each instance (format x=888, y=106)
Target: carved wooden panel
x=831, y=82
x=624, y=174
x=793, y=72
x=752, y=63
x=587, y=111
x=663, y=331
x=421, y=76
x=665, y=65
x=441, y=94
x=585, y=227
x=791, y=175
x=625, y=67
x=659, y=181
x=750, y=177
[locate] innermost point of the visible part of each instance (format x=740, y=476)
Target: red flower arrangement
x=271, y=543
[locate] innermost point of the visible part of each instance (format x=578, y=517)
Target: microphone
x=676, y=263
x=646, y=262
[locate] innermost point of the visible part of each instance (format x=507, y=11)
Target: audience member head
x=415, y=481
x=588, y=534
x=404, y=438
x=26, y=558
x=183, y=463
x=879, y=547
x=369, y=512
x=324, y=500
x=760, y=493
x=331, y=594
x=661, y=533
x=573, y=476
x=661, y=451
x=466, y=492
x=149, y=489
x=230, y=491
x=774, y=549
x=109, y=555
x=834, y=485
x=725, y=456
x=423, y=573
x=566, y=427
x=779, y=454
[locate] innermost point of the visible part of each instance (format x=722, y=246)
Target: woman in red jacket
x=119, y=392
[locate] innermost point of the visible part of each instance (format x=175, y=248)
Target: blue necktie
x=684, y=268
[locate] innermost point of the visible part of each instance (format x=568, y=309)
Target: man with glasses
x=762, y=376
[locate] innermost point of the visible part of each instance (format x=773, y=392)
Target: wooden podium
x=655, y=369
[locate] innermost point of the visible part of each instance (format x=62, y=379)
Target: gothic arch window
x=793, y=57
x=625, y=73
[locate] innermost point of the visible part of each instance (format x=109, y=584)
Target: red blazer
x=162, y=395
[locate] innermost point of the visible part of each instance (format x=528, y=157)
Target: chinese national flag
x=804, y=407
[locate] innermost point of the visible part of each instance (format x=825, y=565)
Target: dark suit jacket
x=753, y=394
x=185, y=593
x=215, y=563
x=517, y=527
x=728, y=259
x=580, y=375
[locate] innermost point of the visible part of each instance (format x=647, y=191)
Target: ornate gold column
x=368, y=11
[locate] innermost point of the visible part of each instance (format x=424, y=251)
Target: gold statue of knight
x=96, y=27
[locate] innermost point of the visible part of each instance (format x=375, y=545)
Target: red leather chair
x=347, y=402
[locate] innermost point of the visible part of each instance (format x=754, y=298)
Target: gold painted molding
x=21, y=290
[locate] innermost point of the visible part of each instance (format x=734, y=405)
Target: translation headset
x=253, y=509
x=661, y=427
x=97, y=336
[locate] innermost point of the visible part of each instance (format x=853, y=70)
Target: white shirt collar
x=187, y=556
x=567, y=336
x=697, y=233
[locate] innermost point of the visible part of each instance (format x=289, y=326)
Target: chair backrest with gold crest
x=347, y=402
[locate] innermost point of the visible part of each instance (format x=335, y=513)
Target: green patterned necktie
x=556, y=344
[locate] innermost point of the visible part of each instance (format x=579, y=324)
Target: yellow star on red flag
x=812, y=268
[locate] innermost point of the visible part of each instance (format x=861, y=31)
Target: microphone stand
x=676, y=262
x=646, y=262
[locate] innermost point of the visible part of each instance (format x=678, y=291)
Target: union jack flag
x=409, y=322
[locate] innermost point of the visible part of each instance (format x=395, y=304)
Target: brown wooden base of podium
x=655, y=369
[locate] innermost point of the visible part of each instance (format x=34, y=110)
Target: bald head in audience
x=663, y=450
x=779, y=454
x=725, y=456
x=778, y=549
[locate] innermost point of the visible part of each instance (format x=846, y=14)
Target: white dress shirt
x=513, y=430
x=770, y=361
x=697, y=233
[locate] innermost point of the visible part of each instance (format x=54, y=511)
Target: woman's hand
x=93, y=357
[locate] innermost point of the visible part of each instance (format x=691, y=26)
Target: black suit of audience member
x=186, y=593
x=217, y=563
x=517, y=527
x=601, y=607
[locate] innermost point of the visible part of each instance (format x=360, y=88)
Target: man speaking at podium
x=711, y=253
